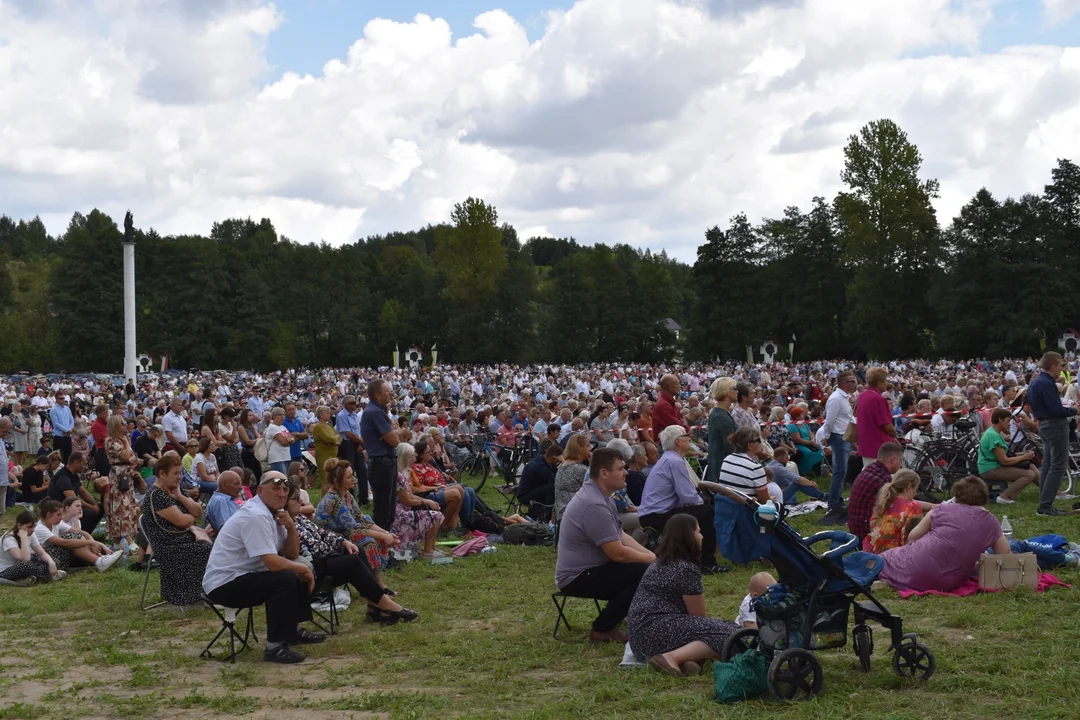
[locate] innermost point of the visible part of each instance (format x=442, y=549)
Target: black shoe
x=834, y=517
x=304, y=637
x=391, y=617
x=715, y=569
x=1051, y=512
x=283, y=654
x=389, y=593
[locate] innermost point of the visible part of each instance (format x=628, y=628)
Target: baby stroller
x=808, y=608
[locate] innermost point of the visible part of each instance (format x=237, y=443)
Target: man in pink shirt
x=872, y=416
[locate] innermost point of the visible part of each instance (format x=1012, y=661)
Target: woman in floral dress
x=121, y=520
x=418, y=518
x=338, y=511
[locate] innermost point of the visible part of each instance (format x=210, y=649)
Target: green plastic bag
x=741, y=678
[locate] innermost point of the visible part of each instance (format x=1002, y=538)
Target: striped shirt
x=742, y=473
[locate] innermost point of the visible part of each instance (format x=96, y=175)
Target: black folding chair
x=325, y=586
x=152, y=564
x=228, y=618
x=559, y=598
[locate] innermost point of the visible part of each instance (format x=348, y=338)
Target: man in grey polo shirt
x=254, y=563
x=596, y=559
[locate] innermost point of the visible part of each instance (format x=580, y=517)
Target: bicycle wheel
x=474, y=473
x=934, y=484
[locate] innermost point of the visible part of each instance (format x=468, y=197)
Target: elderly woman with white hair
x=418, y=518
x=721, y=424
x=670, y=490
x=628, y=512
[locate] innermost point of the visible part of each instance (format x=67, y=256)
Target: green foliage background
x=869, y=274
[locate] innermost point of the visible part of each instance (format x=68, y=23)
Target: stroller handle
x=842, y=543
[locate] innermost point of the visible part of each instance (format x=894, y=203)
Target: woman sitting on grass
x=339, y=513
x=418, y=518
x=667, y=621
x=22, y=559
x=68, y=546
x=331, y=554
x=945, y=546
x=893, y=512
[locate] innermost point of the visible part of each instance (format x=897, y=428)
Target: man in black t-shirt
x=65, y=483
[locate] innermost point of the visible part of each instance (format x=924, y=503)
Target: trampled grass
x=482, y=648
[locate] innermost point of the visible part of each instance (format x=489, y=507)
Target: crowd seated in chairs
x=254, y=562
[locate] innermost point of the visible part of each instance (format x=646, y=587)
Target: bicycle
x=487, y=456
x=944, y=459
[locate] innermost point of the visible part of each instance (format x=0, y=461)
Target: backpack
x=486, y=522
x=262, y=452
x=528, y=534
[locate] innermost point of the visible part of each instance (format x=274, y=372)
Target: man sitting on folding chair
x=596, y=559
x=254, y=563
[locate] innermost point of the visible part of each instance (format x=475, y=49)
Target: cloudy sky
x=638, y=121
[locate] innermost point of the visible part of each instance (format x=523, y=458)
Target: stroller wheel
x=740, y=642
x=914, y=660
x=863, y=640
x=795, y=674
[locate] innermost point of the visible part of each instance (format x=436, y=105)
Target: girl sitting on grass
x=22, y=559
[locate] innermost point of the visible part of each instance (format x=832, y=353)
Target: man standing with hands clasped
x=254, y=562
x=1053, y=420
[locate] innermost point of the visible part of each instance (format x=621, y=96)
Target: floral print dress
x=122, y=517
x=413, y=524
x=341, y=514
x=890, y=531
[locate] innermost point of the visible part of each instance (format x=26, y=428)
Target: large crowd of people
x=206, y=474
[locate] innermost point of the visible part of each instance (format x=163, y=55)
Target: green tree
x=890, y=236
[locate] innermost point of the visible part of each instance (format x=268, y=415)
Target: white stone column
x=130, y=361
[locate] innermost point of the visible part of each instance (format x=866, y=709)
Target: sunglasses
x=277, y=482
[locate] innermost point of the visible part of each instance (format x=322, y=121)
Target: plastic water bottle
x=1006, y=527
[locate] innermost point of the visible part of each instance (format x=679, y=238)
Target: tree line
x=869, y=274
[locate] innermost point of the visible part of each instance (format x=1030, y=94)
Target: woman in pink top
x=945, y=546
x=872, y=416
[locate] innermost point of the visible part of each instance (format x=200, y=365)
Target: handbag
x=851, y=434
x=1005, y=572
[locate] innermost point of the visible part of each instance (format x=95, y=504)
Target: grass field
x=482, y=648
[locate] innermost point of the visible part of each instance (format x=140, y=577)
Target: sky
x=618, y=121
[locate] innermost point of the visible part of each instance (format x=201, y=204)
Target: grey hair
x=669, y=435
x=636, y=450
x=622, y=447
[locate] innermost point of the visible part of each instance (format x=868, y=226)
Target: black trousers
x=89, y=520
x=286, y=597
x=251, y=463
x=101, y=462
x=63, y=444
x=382, y=474
x=351, y=569
x=704, y=515
x=544, y=494
x=614, y=582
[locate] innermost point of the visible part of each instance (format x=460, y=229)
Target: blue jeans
x=810, y=492
x=1055, y=436
x=282, y=467
x=840, y=450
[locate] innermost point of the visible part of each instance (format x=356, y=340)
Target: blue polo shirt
x=295, y=426
x=374, y=423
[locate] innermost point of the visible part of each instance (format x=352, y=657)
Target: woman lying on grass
x=22, y=559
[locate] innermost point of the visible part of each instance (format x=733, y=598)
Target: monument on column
x=130, y=359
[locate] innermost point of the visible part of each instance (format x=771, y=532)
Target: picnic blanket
x=805, y=508
x=970, y=587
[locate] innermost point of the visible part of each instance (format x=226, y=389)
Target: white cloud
x=639, y=122
x=1061, y=10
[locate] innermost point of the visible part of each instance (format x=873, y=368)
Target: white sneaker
x=1004, y=501
x=60, y=575
x=104, y=563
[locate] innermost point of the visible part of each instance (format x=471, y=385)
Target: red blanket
x=970, y=587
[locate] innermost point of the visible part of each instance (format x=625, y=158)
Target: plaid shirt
x=863, y=496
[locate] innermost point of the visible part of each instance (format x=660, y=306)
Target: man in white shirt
x=175, y=427
x=837, y=417
x=254, y=563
